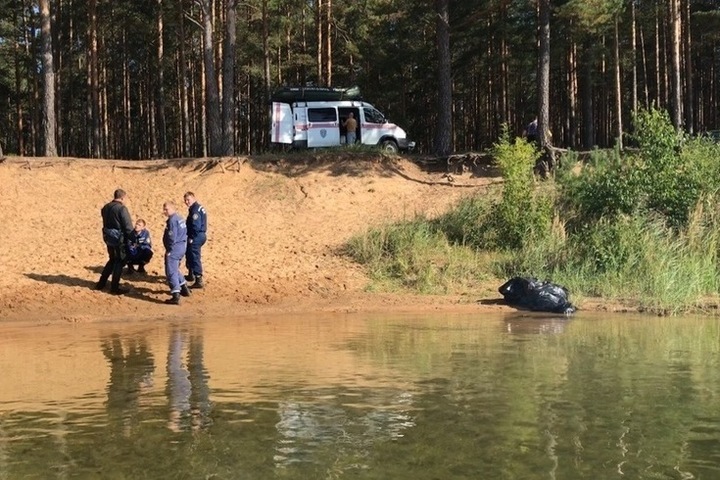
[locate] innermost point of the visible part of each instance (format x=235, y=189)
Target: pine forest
x=141, y=79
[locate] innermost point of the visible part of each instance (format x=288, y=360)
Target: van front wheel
x=389, y=146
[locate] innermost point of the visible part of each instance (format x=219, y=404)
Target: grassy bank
x=641, y=228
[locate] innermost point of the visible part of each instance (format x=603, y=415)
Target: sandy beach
x=276, y=229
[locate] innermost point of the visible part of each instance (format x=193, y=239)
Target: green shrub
x=657, y=179
x=608, y=185
x=523, y=212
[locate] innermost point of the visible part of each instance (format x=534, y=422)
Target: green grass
x=415, y=255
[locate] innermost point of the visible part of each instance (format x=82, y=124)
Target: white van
x=313, y=117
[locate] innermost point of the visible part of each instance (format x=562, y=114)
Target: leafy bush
x=658, y=179
x=608, y=185
x=523, y=212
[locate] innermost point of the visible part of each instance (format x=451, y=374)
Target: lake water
x=363, y=397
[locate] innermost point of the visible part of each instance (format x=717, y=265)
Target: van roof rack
x=315, y=94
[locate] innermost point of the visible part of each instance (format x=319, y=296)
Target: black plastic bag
x=538, y=296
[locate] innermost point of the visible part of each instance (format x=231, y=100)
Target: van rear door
x=323, y=127
x=282, y=123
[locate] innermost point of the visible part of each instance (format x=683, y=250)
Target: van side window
x=373, y=116
x=322, y=115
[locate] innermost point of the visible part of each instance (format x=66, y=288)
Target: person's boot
x=199, y=283
x=119, y=291
x=141, y=269
x=130, y=270
x=190, y=277
x=100, y=285
x=184, y=290
x=174, y=300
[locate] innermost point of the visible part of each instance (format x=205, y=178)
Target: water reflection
x=187, y=381
x=346, y=425
x=131, y=372
x=370, y=397
x=538, y=324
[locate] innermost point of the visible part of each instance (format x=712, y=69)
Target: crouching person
x=175, y=242
x=139, y=248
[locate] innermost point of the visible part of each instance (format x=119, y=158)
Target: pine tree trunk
x=320, y=43
x=228, y=100
x=48, y=103
x=543, y=86
x=618, y=89
x=646, y=76
x=304, y=48
x=633, y=40
x=161, y=127
x=127, y=99
x=94, y=81
x=572, y=113
x=185, y=144
x=586, y=96
x=266, y=52
x=19, y=114
x=689, y=81
x=443, y=139
x=675, y=77
x=328, y=43
x=212, y=97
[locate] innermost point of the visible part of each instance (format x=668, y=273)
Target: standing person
x=175, y=242
x=117, y=226
x=531, y=131
x=139, y=248
x=197, y=235
x=351, y=125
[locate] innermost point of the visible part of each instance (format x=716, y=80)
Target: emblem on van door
x=323, y=133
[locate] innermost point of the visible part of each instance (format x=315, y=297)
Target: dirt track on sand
x=276, y=227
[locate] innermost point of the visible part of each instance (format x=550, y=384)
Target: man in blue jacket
x=139, y=248
x=175, y=242
x=197, y=235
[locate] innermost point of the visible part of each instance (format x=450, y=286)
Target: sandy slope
x=275, y=229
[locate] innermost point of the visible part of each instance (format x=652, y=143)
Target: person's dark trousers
x=143, y=257
x=113, y=266
x=193, y=259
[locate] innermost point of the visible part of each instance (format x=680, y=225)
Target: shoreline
x=276, y=231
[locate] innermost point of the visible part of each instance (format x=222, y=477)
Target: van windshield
x=373, y=116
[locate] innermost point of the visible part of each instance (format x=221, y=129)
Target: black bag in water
x=533, y=294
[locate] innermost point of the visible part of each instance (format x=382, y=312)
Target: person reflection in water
x=131, y=372
x=187, y=387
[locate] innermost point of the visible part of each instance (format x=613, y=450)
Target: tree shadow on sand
x=141, y=293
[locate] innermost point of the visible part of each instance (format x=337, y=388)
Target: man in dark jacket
x=117, y=226
x=197, y=235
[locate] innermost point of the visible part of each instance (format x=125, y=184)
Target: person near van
x=350, y=125
x=117, y=226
